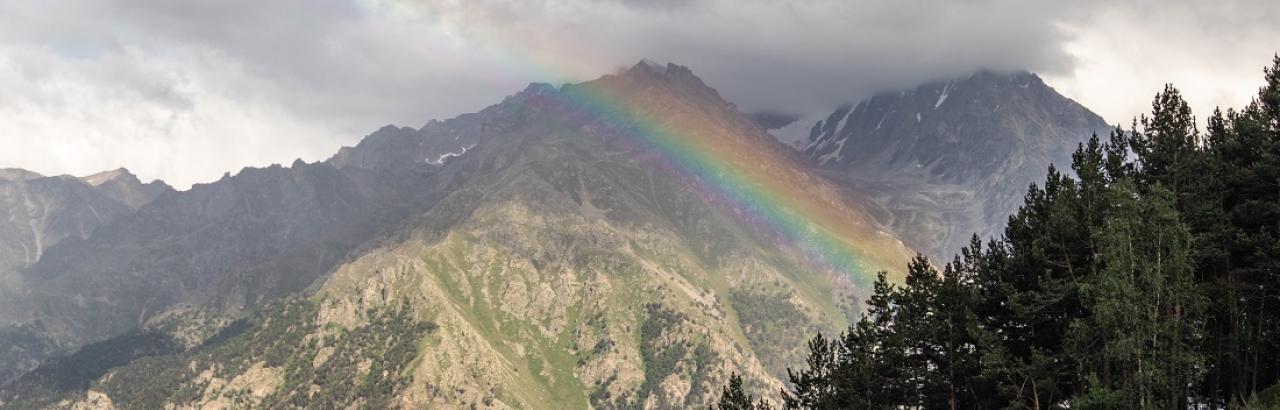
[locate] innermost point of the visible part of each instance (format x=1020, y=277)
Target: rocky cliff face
x=953, y=158
x=37, y=213
x=524, y=256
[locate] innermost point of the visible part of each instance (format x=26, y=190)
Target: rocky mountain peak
x=105, y=176
x=122, y=185
x=648, y=67
x=650, y=64
x=964, y=148
x=533, y=90
x=958, y=128
x=670, y=77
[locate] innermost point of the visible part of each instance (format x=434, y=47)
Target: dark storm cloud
x=773, y=119
x=186, y=90
x=786, y=55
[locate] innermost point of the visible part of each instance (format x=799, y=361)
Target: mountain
x=624, y=242
x=248, y=238
x=953, y=158
x=38, y=213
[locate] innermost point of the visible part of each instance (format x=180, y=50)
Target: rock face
x=36, y=214
x=950, y=159
x=528, y=255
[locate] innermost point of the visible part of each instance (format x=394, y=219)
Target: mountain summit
x=951, y=158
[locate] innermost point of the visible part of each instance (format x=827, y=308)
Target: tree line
x=1149, y=277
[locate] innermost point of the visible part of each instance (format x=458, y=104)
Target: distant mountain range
x=549, y=251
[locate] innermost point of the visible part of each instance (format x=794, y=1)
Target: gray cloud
x=186, y=90
x=762, y=54
x=1213, y=51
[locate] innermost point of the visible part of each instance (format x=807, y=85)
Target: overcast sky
x=188, y=90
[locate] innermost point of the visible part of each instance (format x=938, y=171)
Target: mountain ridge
x=558, y=259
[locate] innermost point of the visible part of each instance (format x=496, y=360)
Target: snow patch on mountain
x=946, y=90
x=886, y=115
x=440, y=159
x=835, y=154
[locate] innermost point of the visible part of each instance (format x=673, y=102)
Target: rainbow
x=738, y=174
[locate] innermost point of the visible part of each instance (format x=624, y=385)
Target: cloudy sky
x=188, y=90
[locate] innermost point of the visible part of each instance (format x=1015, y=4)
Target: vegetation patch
x=73, y=374
x=773, y=325
x=364, y=367
x=662, y=359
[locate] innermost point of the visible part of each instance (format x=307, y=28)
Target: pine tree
x=1167, y=142
x=814, y=387
x=1049, y=252
x=733, y=397
x=1249, y=151
x=916, y=324
x=956, y=364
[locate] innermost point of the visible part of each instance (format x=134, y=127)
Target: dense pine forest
x=1149, y=277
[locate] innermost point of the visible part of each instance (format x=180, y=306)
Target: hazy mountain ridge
x=249, y=238
x=54, y=208
x=951, y=158
x=37, y=213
